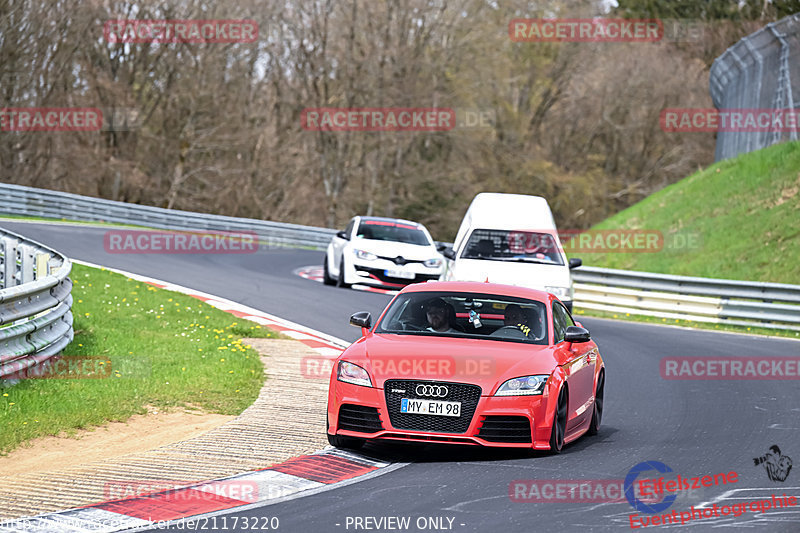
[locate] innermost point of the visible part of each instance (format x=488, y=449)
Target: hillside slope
x=743, y=215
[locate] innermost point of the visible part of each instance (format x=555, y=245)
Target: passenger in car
x=440, y=315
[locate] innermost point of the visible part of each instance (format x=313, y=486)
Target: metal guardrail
x=20, y=200
x=766, y=305
x=35, y=303
x=759, y=72
x=743, y=303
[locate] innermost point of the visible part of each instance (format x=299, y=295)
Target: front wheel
x=326, y=276
x=345, y=442
x=340, y=280
x=559, y=423
x=597, y=412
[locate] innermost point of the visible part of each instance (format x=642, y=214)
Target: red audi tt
x=468, y=363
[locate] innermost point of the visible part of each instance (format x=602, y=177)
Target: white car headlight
x=522, y=386
x=563, y=293
x=433, y=263
x=365, y=255
x=350, y=373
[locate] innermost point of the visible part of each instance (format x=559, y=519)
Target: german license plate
x=430, y=407
x=402, y=274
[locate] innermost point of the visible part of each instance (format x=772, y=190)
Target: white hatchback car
x=386, y=252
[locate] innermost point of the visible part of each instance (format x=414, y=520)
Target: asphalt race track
x=695, y=427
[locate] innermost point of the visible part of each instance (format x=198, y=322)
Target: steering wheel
x=512, y=332
x=410, y=326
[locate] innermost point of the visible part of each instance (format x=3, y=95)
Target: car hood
x=394, y=249
x=487, y=363
x=530, y=275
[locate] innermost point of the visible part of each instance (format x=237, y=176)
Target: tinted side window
x=560, y=322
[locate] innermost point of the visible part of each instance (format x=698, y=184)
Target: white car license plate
x=430, y=407
x=400, y=274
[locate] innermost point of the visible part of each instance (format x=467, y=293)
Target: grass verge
x=737, y=219
x=164, y=349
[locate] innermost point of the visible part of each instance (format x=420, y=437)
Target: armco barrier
x=20, y=200
x=767, y=305
x=35, y=303
x=743, y=303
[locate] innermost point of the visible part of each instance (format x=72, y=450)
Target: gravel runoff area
x=287, y=419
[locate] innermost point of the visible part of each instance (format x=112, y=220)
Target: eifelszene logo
x=776, y=464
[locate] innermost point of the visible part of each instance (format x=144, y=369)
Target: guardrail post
x=26, y=258
x=8, y=267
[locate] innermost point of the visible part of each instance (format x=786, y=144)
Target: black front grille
x=381, y=275
x=468, y=395
x=506, y=429
x=359, y=418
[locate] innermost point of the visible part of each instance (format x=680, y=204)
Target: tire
x=559, y=430
x=326, y=276
x=597, y=410
x=340, y=280
x=351, y=443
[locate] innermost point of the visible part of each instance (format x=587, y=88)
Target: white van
x=511, y=239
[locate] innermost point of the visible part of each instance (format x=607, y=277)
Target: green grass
x=166, y=350
x=744, y=213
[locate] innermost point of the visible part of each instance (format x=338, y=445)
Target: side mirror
x=342, y=235
x=575, y=263
x=448, y=253
x=576, y=334
x=363, y=320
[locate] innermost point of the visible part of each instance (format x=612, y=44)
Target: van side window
x=561, y=320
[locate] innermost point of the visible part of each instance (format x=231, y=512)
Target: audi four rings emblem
x=437, y=391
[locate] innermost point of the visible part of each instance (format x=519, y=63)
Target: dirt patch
x=140, y=432
x=286, y=420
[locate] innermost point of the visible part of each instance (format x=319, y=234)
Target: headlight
x=365, y=255
x=522, y=386
x=563, y=293
x=433, y=263
x=350, y=373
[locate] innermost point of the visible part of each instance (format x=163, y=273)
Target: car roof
x=480, y=287
x=386, y=219
x=510, y=211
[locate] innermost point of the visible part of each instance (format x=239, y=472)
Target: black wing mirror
x=575, y=263
x=342, y=235
x=576, y=334
x=448, y=253
x=361, y=319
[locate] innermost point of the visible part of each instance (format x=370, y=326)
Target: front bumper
x=497, y=421
x=374, y=273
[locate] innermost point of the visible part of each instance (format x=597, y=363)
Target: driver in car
x=438, y=313
x=516, y=317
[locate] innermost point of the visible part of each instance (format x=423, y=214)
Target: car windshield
x=513, y=246
x=467, y=315
x=377, y=230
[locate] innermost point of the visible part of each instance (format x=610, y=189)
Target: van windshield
x=513, y=245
